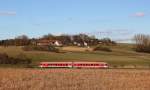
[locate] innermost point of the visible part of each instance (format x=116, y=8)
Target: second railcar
x=90, y=65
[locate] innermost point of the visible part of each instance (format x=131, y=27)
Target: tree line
x=24, y=40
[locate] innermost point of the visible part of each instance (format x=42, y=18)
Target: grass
x=122, y=55
x=74, y=79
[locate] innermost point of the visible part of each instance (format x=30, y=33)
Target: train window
x=45, y=64
x=76, y=64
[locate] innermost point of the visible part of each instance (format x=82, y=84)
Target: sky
x=121, y=18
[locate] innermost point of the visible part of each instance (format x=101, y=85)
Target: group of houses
x=43, y=42
x=80, y=43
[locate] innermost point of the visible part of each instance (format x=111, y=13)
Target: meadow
x=74, y=79
x=122, y=55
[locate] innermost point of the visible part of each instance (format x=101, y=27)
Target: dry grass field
x=76, y=49
x=74, y=79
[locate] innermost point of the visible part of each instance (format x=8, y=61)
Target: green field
x=122, y=55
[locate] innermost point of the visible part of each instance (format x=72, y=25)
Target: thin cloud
x=139, y=14
x=7, y=13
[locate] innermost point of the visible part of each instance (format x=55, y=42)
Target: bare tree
x=22, y=40
x=142, y=43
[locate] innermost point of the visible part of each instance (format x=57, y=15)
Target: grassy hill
x=122, y=55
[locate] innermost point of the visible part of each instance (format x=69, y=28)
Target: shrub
x=52, y=49
x=41, y=48
x=102, y=48
x=5, y=59
x=23, y=59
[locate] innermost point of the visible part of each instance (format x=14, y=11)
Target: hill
x=122, y=55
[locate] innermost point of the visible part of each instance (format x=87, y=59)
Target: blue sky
x=38, y=17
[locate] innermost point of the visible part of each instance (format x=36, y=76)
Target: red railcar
x=56, y=64
x=90, y=65
x=73, y=65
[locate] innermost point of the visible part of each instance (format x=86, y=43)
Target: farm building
x=49, y=42
x=85, y=44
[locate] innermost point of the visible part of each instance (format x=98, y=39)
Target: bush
x=41, y=48
x=23, y=59
x=52, y=49
x=5, y=59
x=102, y=48
x=141, y=48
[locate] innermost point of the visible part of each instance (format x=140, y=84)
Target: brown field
x=76, y=49
x=74, y=79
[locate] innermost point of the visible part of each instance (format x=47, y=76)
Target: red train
x=73, y=65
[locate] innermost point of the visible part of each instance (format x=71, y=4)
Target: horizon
x=35, y=18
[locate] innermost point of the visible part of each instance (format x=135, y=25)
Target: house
x=58, y=43
x=49, y=42
x=85, y=44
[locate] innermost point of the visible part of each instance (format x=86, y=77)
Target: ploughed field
x=74, y=79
